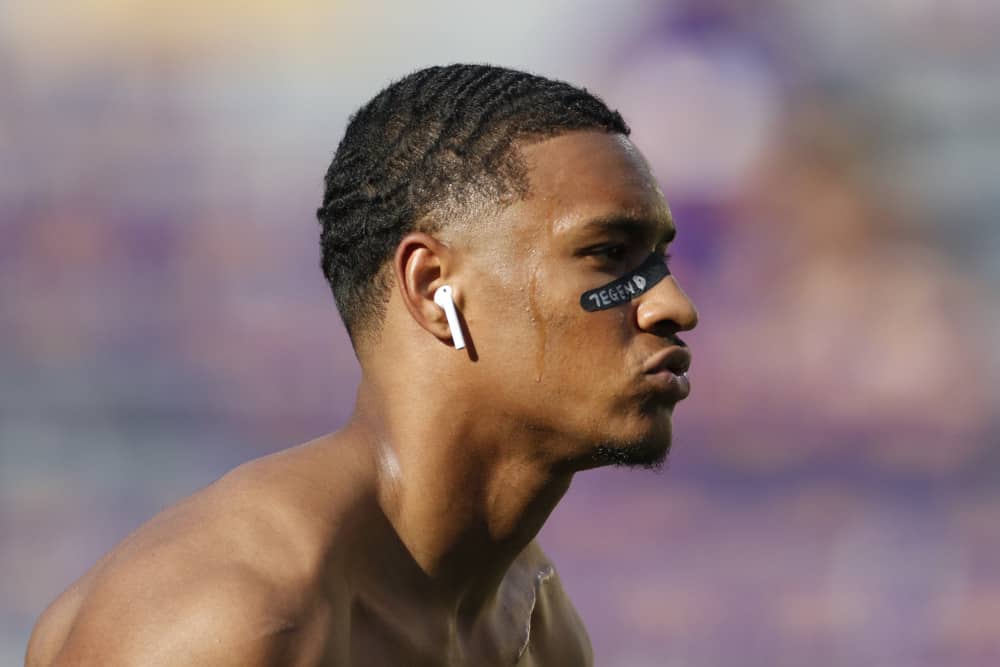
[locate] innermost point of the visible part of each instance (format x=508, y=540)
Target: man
x=407, y=538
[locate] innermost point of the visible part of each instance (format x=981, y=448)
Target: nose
x=666, y=309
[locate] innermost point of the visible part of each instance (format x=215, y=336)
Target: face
x=598, y=387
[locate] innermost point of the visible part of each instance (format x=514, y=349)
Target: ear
x=421, y=265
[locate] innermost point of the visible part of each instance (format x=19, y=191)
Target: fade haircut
x=434, y=143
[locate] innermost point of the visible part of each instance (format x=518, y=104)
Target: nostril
x=657, y=324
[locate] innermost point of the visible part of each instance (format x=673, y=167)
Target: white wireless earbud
x=442, y=297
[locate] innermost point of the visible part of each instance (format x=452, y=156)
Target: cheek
x=604, y=330
x=504, y=328
x=534, y=331
x=587, y=350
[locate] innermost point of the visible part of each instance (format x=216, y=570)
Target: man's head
x=430, y=149
x=524, y=195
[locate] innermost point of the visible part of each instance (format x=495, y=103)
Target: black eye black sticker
x=624, y=289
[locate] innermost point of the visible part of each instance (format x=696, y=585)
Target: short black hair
x=437, y=139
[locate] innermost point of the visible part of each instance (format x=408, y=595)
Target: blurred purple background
x=833, y=497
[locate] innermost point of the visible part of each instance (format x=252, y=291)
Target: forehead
x=580, y=177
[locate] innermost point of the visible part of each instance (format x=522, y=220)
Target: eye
x=612, y=253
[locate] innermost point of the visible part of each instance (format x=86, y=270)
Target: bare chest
x=530, y=625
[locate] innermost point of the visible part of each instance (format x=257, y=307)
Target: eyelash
x=620, y=251
x=614, y=253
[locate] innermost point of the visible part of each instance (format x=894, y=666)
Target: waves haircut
x=437, y=141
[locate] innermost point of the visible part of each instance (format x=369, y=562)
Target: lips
x=667, y=372
x=675, y=359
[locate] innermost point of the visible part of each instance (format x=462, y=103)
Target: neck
x=462, y=495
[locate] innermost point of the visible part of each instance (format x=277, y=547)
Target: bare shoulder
x=227, y=576
x=227, y=617
x=558, y=635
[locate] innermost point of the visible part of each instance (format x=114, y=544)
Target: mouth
x=667, y=372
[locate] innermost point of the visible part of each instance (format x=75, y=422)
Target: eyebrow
x=631, y=225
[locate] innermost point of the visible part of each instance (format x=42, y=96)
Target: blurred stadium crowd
x=834, y=493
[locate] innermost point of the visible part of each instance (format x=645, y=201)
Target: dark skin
x=408, y=536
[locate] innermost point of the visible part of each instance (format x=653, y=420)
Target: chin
x=650, y=455
x=648, y=449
